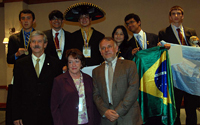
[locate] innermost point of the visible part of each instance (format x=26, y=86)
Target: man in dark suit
x=116, y=87
x=178, y=34
x=32, y=86
x=18, y=45
x=140, y=40
x=58, y=38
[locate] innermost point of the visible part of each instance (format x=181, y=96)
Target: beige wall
x=153, y=14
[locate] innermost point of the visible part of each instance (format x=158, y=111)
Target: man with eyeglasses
x=178, y=34
x=140, y=40
x=58, y=38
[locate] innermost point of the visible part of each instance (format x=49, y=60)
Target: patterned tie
x=139, y=40
x=37, y=68
x=181, y=37
x=110, y=79
x=57, y=41
x=27, y=35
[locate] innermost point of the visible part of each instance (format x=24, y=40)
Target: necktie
x=181, y=37
x=139, y=41
x=27, y=35
x=37, y=68
x=110, y=79
x=57, y=41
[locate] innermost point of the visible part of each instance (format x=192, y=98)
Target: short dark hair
x=176, y=8
x=123, y=30
x=76, y=54
x=26, y=11
x=56, y=13
x=132, y=15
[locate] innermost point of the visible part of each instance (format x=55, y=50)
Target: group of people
x=44, y=95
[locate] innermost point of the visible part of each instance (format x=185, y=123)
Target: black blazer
x=51, y=49
x=16, y=41
x=152, y=42
x=77, y=42
x=168, y=35
x=31, y=95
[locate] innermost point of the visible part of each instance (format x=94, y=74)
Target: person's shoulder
x=97, y=32
x=86, y=76
x=188, y=29
x=152, y=34
x=47, y=31
x=165, y=29
x=23, y=60
x=77, y=31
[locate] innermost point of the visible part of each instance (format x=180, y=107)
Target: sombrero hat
x=74, y=11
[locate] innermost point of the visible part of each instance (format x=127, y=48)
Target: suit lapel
x=70, y=81
x=30, y=68
x=116, y=72
x=46, y=68
x=187, y=34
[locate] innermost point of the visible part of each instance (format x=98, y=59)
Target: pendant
x=26, y=52
x=86, y=51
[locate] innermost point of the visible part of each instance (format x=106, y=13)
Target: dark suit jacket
x=51, y=49
x=77, y=42
x=65, y=100
x=31, y=95
x=152, y=38
x=124, y=93
x=16, y=41
x=152, y=42
x=168, y=35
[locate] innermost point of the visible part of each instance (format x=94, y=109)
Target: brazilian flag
x=156, y=96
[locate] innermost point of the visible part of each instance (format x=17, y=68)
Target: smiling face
x=74, y=65
x=108, y=49
x=37, y=45
x=119, y=36
x=56, y=23
x=176, y=17
x=26, y=21
x=85, y=20
x=133, y=25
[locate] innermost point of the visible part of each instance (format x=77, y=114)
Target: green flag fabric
x=156, y=96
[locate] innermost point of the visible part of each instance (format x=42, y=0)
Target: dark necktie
x=181, y=37
x=57, y=41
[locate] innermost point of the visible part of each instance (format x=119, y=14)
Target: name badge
x=87, y=52
x=80, y=106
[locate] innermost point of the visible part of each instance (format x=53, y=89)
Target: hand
x=167, y=46
x=64, y=68
x=111, y=115
x=20, y=52
x=18, y=122
x=159, y=44
x=134, y=51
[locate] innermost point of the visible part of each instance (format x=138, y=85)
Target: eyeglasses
x=130, y=22
x=56, y=19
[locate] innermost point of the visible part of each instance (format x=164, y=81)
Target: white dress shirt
x=41, y=62
x=61, y=38
x=106, y=75
x=143, y=38
x=176, y=32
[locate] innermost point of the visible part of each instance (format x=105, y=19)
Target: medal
x=26, y=52
x=86, y=51
x=59, y=51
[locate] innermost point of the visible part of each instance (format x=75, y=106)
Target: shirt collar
x=140, y=33
x=113, y=61
x=54, y=32
x=180, y=27
x=41, y=57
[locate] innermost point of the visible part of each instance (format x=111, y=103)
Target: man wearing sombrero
x=87, y=38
